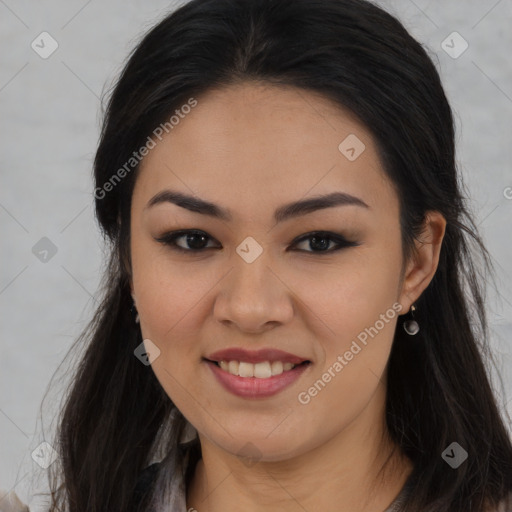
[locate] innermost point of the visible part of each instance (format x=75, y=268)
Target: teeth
x=277, y=368
x=233, y=367
x=262, y=370
x=246, y=370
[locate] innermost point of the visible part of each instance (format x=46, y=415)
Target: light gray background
x=49, y=130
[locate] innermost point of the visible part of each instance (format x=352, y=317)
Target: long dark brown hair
x=116, y=418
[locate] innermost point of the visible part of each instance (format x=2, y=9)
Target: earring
x=411, y=327
x=134, y=308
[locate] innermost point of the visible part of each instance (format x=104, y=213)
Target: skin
x=252, y=148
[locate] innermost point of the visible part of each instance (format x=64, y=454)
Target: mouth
x=261, y=370
x=256, y=380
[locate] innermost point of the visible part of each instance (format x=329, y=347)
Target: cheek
x=171, y=304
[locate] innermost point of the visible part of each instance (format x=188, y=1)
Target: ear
x=422, y=266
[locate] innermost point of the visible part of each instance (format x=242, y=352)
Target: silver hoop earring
x=411, y=327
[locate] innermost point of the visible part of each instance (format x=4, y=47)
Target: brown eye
x=319, y=242
x=191, y=241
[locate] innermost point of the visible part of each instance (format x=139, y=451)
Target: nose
x=253, y=297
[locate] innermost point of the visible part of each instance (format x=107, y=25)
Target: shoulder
x=10, y=502
x=505, y=505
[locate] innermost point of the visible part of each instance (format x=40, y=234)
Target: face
x=259, y=275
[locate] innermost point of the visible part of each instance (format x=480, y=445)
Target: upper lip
x=255, y=356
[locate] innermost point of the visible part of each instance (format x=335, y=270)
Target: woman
x=293, y=318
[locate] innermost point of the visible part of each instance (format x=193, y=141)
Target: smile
x=256, y=380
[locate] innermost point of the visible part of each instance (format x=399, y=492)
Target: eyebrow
x=284, y=212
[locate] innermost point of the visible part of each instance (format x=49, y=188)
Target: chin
x=254, y=449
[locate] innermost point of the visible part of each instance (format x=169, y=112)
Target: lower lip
x=252, y=387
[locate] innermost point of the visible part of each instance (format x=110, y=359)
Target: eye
x=196, y=241
x=320, y=242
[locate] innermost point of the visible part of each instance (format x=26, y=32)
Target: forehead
x=252, y=146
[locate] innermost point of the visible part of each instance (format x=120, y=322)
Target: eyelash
x=170, y=238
